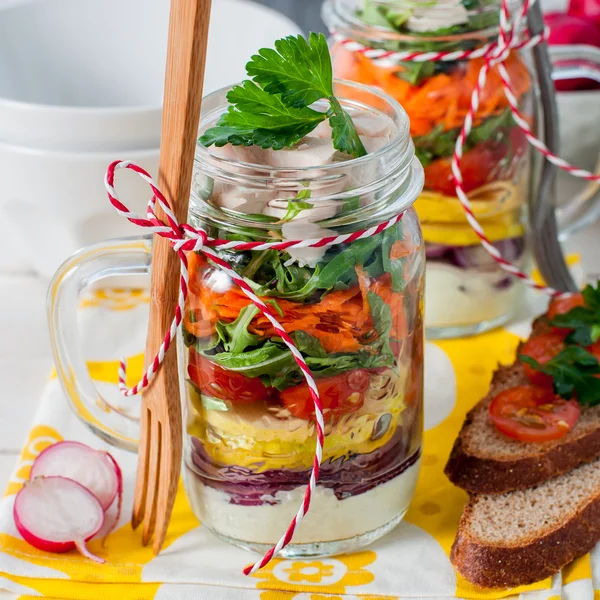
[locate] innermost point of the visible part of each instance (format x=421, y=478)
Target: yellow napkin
x=410, y=562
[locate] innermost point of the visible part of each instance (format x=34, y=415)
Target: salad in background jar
x=467, y=291
x=354, y=310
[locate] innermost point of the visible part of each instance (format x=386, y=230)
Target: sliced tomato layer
x=341, y=394
x=533, y=414
x=542, y=348
x=213, y=380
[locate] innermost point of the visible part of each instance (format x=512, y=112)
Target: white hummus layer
x=328, y=519
x=456, y=296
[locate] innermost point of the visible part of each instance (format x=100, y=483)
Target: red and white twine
x=495, y=54
x=185, y=238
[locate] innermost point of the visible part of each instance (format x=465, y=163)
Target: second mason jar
x=467, y=292
x=354, y=310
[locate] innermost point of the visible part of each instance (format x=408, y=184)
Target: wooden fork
x=160, y=448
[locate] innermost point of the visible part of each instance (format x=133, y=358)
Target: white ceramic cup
x=88, y=74
x=53, y=203
x=81, y=85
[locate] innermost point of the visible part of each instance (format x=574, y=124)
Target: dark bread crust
x=509, y=566
x=500, y=474
x=479, y=475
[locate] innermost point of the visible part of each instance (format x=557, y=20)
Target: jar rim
x=401, y=139
x=340, y=18
x=396, y=183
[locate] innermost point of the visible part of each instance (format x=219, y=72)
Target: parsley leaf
x=574, y=373
x=345, y=137
x=583, y=320
x=298, y=69
x=260, y=119
x=273, y=110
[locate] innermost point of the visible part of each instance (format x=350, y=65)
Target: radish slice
x=56, y=514
x=119, y=475
x=93, y=469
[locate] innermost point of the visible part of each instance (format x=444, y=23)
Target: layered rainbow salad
x=465, y=286
x=355, y=313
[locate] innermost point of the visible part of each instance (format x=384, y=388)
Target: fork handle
x=186, y=56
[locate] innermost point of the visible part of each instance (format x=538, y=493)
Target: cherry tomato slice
x=340, y=395
x=542, y=348
x=533, y=414
x=561, y=306
x=213, y=380
x=477, y=166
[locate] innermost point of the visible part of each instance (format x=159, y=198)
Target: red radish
x=93, y=469
x=569, y=29
x=56, y=514
x=588, y=9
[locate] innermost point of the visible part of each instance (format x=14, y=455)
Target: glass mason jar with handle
x=354, y=310
x=467, y=292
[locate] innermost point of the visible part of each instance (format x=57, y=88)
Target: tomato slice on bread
x=561, y=306
x=542, y=348
x=533, y=414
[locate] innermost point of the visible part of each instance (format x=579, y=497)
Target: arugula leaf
x=584, y=320
x=350, y=205
x=394, y=267
x=330, y=365
x=574, y=373
x=309, y=345
x=298, y=69
x=415, y=72
x=374, y=14
x=341, y=266
x=382, y=320
x=260, y=119
x=268, y=359
x=235, y=335
x=273, y=110
x=440, y=144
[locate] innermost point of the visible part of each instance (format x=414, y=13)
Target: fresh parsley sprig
x=274, y=109
x=574, y=372
x=583, y=320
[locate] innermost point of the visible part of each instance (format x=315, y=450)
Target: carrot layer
x=444, y=98
x=341, y=321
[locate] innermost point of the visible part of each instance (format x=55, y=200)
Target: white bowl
x=53, y=203
x=88, y=74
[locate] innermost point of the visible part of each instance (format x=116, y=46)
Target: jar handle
x=114, y=258
x=573, y=62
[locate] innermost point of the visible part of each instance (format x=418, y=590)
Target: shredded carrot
x=400, y=249
x=441, y=99
x=341, y=321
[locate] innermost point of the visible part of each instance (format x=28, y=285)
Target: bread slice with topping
x=485, y=461
x=527, y=535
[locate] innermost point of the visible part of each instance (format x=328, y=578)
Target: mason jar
x=467, y=292
x=353, y=309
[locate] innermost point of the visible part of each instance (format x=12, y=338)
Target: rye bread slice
x=527, y=535
x=484, y=461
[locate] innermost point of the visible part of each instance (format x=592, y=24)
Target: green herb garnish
x=440, y=144
x=583, y=320
x=574, y=372
x=274, y=109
